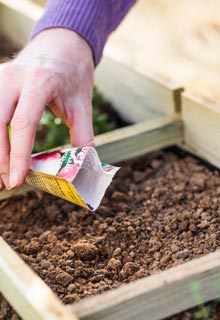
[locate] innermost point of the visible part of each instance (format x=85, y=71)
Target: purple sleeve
x=94, y=20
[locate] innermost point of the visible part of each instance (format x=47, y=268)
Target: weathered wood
x=136, y=97
x=26, y=292
x=157, y=296
x=138, y=139
x=201, y=118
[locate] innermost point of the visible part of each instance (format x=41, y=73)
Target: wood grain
x=201, y=118
x=26, y=292
x=138, y=139
x=136, y=97
x=157, y=296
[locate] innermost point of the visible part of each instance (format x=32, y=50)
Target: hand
x=55, y=69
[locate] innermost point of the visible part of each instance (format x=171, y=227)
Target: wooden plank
x=138, y=139
x=17, y=19
x=26, y=292
x=136, y=97
x=157, y=296
x=148, y=95
x=41, y=3
x=27, y=8
x=201, y=118
x=129, y=142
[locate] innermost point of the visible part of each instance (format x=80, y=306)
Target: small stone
x=129, y=269
x=70, y=298
x=157, y=256
x=64, y=278
x=33, y=246
x=71, y=287
x=112, y=230
x=114, y=264
x=131, y=229
x=204, y=215
x=118, y=196
x=45, y=264
x=51, y=238
x=44, y=235
x=174, y=248
x=204, y=224
x=70, y=253
x=104, y=211
x=116, y=252
x=85, y=250
x=103, y=226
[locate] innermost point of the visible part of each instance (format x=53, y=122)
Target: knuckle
x=43, y=79
x=39, y=72
x=7, y=70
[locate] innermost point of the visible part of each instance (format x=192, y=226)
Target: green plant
x=203, y=313
x=53, y=132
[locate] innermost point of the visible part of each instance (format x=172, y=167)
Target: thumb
x=81, y=128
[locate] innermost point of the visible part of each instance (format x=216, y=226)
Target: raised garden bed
x=157, y=104
x=164, y=214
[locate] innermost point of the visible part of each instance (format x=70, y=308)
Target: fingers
x=8, y=99
x=81, y=126
x=24, y=124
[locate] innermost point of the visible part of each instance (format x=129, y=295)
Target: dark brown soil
x=160, y=211
x=7, y=50
x=209, y=311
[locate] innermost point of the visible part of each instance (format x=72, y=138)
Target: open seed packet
x=75, y=174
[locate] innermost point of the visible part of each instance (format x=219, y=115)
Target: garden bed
x=161, y=212
x=165, y=212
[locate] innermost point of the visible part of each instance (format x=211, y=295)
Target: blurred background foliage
x=52, y=132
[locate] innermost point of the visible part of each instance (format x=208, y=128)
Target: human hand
x=55, y=69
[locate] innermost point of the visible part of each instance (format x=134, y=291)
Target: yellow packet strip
x=74, y=174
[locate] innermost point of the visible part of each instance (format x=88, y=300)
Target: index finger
x=23, y=130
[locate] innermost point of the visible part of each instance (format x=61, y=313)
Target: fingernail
x=13, y=178
x=5, y=179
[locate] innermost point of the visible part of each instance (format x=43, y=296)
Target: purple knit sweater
x=94, y=20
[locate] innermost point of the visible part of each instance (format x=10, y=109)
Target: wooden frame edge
x=157, y=296
x=128, y=142
x=201, y=116
x=129, y=90
x=25, y=7
x=138, y=139
x=26, y=292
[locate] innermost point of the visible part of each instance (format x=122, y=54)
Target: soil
x=209, y=311
x=166, y=212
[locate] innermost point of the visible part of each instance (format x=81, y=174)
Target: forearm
x=94, y=20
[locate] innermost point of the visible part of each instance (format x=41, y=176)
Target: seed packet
x=76, y=175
